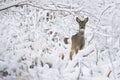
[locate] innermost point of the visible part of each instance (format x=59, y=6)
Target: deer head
x=82, y=23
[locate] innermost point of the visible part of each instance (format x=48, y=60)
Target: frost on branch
x=35, y=35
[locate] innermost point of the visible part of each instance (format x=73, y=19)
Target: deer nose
x=82, y=27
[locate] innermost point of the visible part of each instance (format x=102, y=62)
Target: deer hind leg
x=71, y=54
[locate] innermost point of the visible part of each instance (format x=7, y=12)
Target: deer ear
x=77, y=19
x=86, y=20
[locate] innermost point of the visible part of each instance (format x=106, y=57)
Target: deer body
x=78, y=40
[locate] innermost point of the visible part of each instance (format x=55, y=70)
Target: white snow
x=32, y=40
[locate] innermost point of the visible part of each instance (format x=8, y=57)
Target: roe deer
x=78, y=40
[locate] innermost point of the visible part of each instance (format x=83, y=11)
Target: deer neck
x=81, y=31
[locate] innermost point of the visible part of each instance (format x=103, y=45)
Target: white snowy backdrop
x=32, y=36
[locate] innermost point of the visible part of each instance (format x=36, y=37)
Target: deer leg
x=76, y=51
x=82, y=46
x=71, y=54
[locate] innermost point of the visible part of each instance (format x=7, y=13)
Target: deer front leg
x=71, y=54
x=76, y=50
x=82, y=46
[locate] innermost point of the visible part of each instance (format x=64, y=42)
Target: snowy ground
x=32, y=40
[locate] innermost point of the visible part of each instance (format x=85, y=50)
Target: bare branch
x=9, y=7
x=57, y=8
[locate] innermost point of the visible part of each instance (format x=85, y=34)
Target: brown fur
x=66, y=40
x=78, y=40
